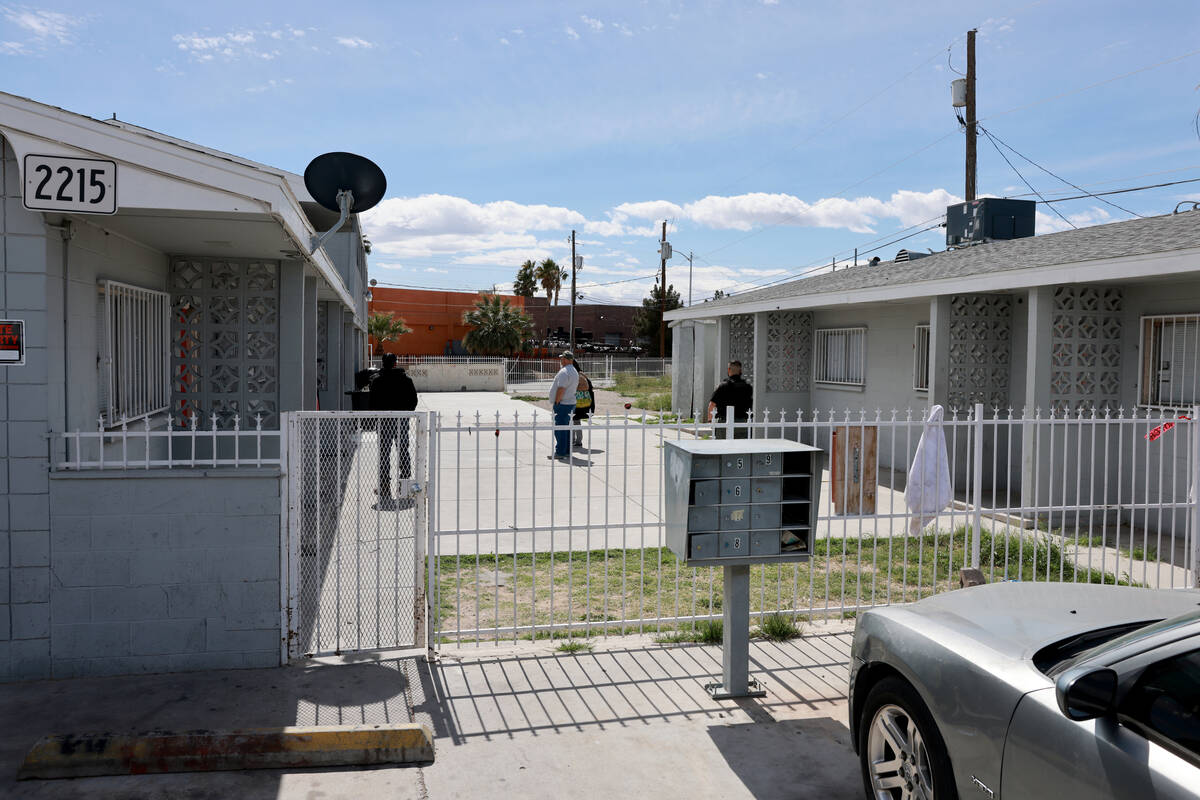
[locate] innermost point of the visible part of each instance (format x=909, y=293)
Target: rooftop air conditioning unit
x=989, y=219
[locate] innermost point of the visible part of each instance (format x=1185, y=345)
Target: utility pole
x=662, y=297
x=689, y=277
x=572, y=291
x=970, y=115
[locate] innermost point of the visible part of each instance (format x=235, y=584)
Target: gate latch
x=408, y=487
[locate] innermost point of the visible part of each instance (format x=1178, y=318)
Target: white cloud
x=503, y=41
x=269, y=86
x=748, y=211
x=438, y=271
x=571, y=33
x=624, y=28
x=762, y=76
x=1049, y=222
x=429, y=224
x=354, y=42
x=13, y=49
x=44, y=25
x=229, y=46
x=592, y=23
x=770, y=2
x=518, y=31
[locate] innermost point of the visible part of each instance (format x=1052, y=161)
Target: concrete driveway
x=628, y=719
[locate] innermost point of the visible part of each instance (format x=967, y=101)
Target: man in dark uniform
x=733, y=391
x=393, y=390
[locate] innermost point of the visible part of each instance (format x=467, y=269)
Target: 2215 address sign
x=74, y=185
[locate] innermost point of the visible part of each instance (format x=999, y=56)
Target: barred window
x=840, y=356
x=921, y=358
x=1170, y=360
x=134, y=352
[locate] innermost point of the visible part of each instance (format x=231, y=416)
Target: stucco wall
x=27, y=410
x=163, y=571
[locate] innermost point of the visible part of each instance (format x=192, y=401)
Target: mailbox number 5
x=739, y=463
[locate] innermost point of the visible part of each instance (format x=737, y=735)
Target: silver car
x=1028, y=690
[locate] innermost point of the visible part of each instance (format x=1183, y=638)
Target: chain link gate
x=357, y=526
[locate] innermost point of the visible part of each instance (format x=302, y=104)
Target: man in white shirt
x=562, y=398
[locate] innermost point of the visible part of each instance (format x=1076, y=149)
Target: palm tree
x=384, y=327
x=550, y=275
x=497, y=328
x=526, y=283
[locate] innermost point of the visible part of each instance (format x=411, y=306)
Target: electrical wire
x=1022, y=177
x=996, y=139
x=1097, y=195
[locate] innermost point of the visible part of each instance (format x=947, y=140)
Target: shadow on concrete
x=772, y=759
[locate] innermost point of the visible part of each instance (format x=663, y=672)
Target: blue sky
x=773, y=135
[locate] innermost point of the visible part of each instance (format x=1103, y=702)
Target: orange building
x=435, y=318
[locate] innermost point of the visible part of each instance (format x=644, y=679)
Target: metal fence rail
x=526, y=546
x=157, y=443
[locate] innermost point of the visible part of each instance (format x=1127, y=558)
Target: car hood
x=1018, y=618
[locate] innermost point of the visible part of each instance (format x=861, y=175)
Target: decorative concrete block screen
x=1085, y=355
x=980, y=350
x=322, y=346
x=789, y=350
x=225, y=341
x=741, y=344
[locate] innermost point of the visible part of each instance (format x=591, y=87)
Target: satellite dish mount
x=345, y=183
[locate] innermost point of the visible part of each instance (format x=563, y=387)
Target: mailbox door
x=737, y=465
x=734, y=518
x=764, y=543
x=735, y=491
x=765, y=490
x=735, y=545
x=706, y=493
x=764, y=516
x=768, y=463
x=703, y=545
x=706, y=466
x=703, y=518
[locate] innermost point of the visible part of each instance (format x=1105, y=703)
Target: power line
x=1022, y=177
x=996, y=139
x=1097, y=195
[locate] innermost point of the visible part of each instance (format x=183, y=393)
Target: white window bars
x=840, y=356
x=135, y=354
x=921, y=358
x=1170, y=362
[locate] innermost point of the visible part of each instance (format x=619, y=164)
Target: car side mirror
x=1086, y=692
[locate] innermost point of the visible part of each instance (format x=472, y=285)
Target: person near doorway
x=585, y=403
x=733, y=391
x=393, y=390
x=562, y=399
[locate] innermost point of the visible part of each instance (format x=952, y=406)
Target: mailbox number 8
x=737, y=543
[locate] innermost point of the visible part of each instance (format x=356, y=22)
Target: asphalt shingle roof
x=1115, y=240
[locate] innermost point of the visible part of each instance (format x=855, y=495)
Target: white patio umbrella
x=929, y=490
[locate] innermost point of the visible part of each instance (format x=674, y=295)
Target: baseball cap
x=566, y=354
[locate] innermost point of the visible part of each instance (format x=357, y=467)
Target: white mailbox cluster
x=741, y=501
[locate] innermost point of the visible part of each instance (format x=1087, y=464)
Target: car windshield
x=1126, y=638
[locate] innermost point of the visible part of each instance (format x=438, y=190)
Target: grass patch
x=624, y=591
x=574, y=646
x=528, y=398
x=778, y=628
x=706, y=631
x=650, y=393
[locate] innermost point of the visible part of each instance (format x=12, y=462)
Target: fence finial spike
x=100, y=423
x=237, y=422
x=258, y=422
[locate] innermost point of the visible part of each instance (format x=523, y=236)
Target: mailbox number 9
x=767, y=460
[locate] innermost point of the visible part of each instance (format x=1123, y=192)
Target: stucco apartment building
x=163, y=288
x=1104, y=318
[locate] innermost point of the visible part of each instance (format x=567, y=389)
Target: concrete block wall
x=25, y=408
x=162, y=571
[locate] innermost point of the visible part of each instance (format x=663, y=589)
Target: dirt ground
x=608, y=403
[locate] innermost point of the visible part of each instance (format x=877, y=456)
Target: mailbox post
x=731, y=504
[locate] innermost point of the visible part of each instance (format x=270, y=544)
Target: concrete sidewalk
x=629, y=718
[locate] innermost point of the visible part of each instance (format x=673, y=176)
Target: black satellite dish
x=345, y=183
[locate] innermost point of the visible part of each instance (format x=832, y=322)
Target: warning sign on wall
x=12, y=342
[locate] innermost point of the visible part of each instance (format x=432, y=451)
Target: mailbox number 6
x=737, y=491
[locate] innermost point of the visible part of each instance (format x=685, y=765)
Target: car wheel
x=901, y=752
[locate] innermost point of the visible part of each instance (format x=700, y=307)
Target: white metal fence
x=161, y=442
x=526, y=546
